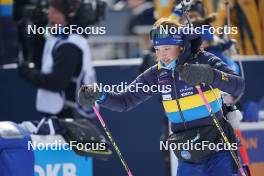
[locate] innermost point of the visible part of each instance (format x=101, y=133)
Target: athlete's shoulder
x=151, y=74
x=205, y=57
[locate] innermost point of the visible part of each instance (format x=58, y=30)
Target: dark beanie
x=64, y=6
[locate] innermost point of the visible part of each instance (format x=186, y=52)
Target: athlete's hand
x=88, y=95
x=194, y=74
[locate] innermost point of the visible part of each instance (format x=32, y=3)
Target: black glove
x=194, y=74
x=88, y=95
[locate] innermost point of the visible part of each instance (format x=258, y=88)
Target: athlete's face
x=167, y=53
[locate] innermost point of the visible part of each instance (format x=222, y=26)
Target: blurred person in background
x=140, y=22
x=31, y=46
x=142, y=14
x=66, y=64
x=210, y=42
x=213, y=44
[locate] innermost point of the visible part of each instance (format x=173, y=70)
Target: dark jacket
x=192, y=110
